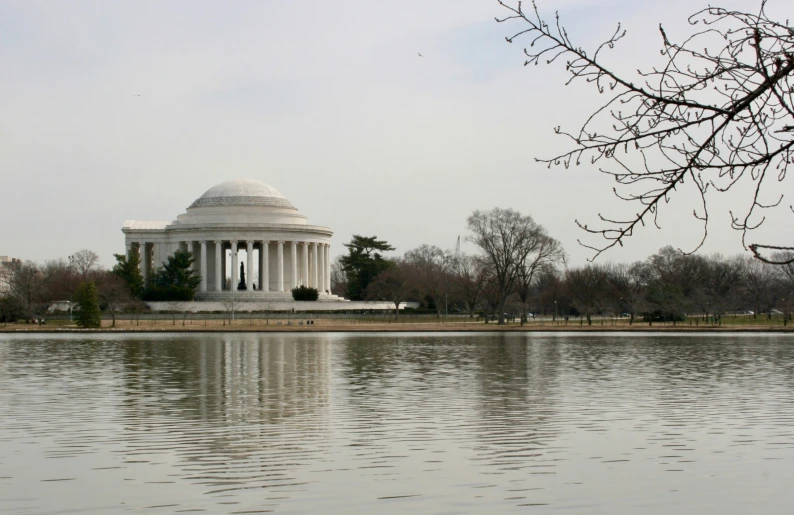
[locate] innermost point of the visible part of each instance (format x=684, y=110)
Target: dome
x=242, y=192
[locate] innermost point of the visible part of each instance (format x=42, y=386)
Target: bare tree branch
x=720, y=112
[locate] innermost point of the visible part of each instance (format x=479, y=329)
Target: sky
x=132, y=109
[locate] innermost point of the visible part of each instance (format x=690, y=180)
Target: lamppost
x=554, y=315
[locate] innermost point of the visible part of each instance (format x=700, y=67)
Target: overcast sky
x=131, y=110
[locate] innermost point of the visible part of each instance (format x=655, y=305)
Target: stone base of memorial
x=281, y=304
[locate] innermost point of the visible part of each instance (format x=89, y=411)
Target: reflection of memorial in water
x=238, y=380
x=245, y=413
x=245, y=382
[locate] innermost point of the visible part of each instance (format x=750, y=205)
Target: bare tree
x=785, y=276
x=338, y=277
x=266, y=307
x=468, y=277
x=62, y=280
x=175, y=306
x=504, y=236
x=113, y=292
x=758, y=280
x=396, y=284
x=717, y=112
x=136, y=307
x=551, y=292
x=229, y=305
x=84, y=262
x=27, y=284
x=672, y=267
x=675, y=282
x=628, y=283
x=721, y=282
x=587, y=286
x=492, y=298
x=541, y=250
x=430, y=267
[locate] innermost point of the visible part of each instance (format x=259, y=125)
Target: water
x=365, y=423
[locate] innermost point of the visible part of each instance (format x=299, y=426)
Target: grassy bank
x=311, y=323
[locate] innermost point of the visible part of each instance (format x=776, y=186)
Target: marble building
x=248, y=240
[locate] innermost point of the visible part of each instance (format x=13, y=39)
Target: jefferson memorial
x=281, y=250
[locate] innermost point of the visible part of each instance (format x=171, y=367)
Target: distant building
x=6, y=263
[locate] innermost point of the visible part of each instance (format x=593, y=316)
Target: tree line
x=29, y=290
x=521, y=270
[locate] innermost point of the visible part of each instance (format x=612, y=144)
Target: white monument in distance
x=281, y=249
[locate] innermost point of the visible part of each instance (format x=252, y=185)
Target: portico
x=241, y=221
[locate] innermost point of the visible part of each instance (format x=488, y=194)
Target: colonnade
x=282, y=265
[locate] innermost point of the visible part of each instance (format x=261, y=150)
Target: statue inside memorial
x=241, y=286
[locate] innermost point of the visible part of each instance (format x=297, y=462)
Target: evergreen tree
x=129, y=269
x=87, y=302
x=363, y=263
x=175, y=281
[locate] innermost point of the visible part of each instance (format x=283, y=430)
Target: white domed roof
x=242, y=192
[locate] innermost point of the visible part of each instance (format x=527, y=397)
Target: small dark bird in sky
x=137, y=95
x=420, y=55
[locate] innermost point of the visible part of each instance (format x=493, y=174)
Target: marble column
x=249, y=265
x=235, y=279
x=294, y=258
x=309, y=281
x=203, y=265
x=305, y=264
x=280, y=266
x=328, y=268
x=225, y=266
x=264, y=266
x=313, y=279
x=321, y=267
x=218, y=262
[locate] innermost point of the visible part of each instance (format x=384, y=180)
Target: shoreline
x=396, y=328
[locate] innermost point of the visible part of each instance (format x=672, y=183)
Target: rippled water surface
x=357, y=423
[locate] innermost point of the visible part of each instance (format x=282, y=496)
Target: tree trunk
x=502, y=310
x=396, y=311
